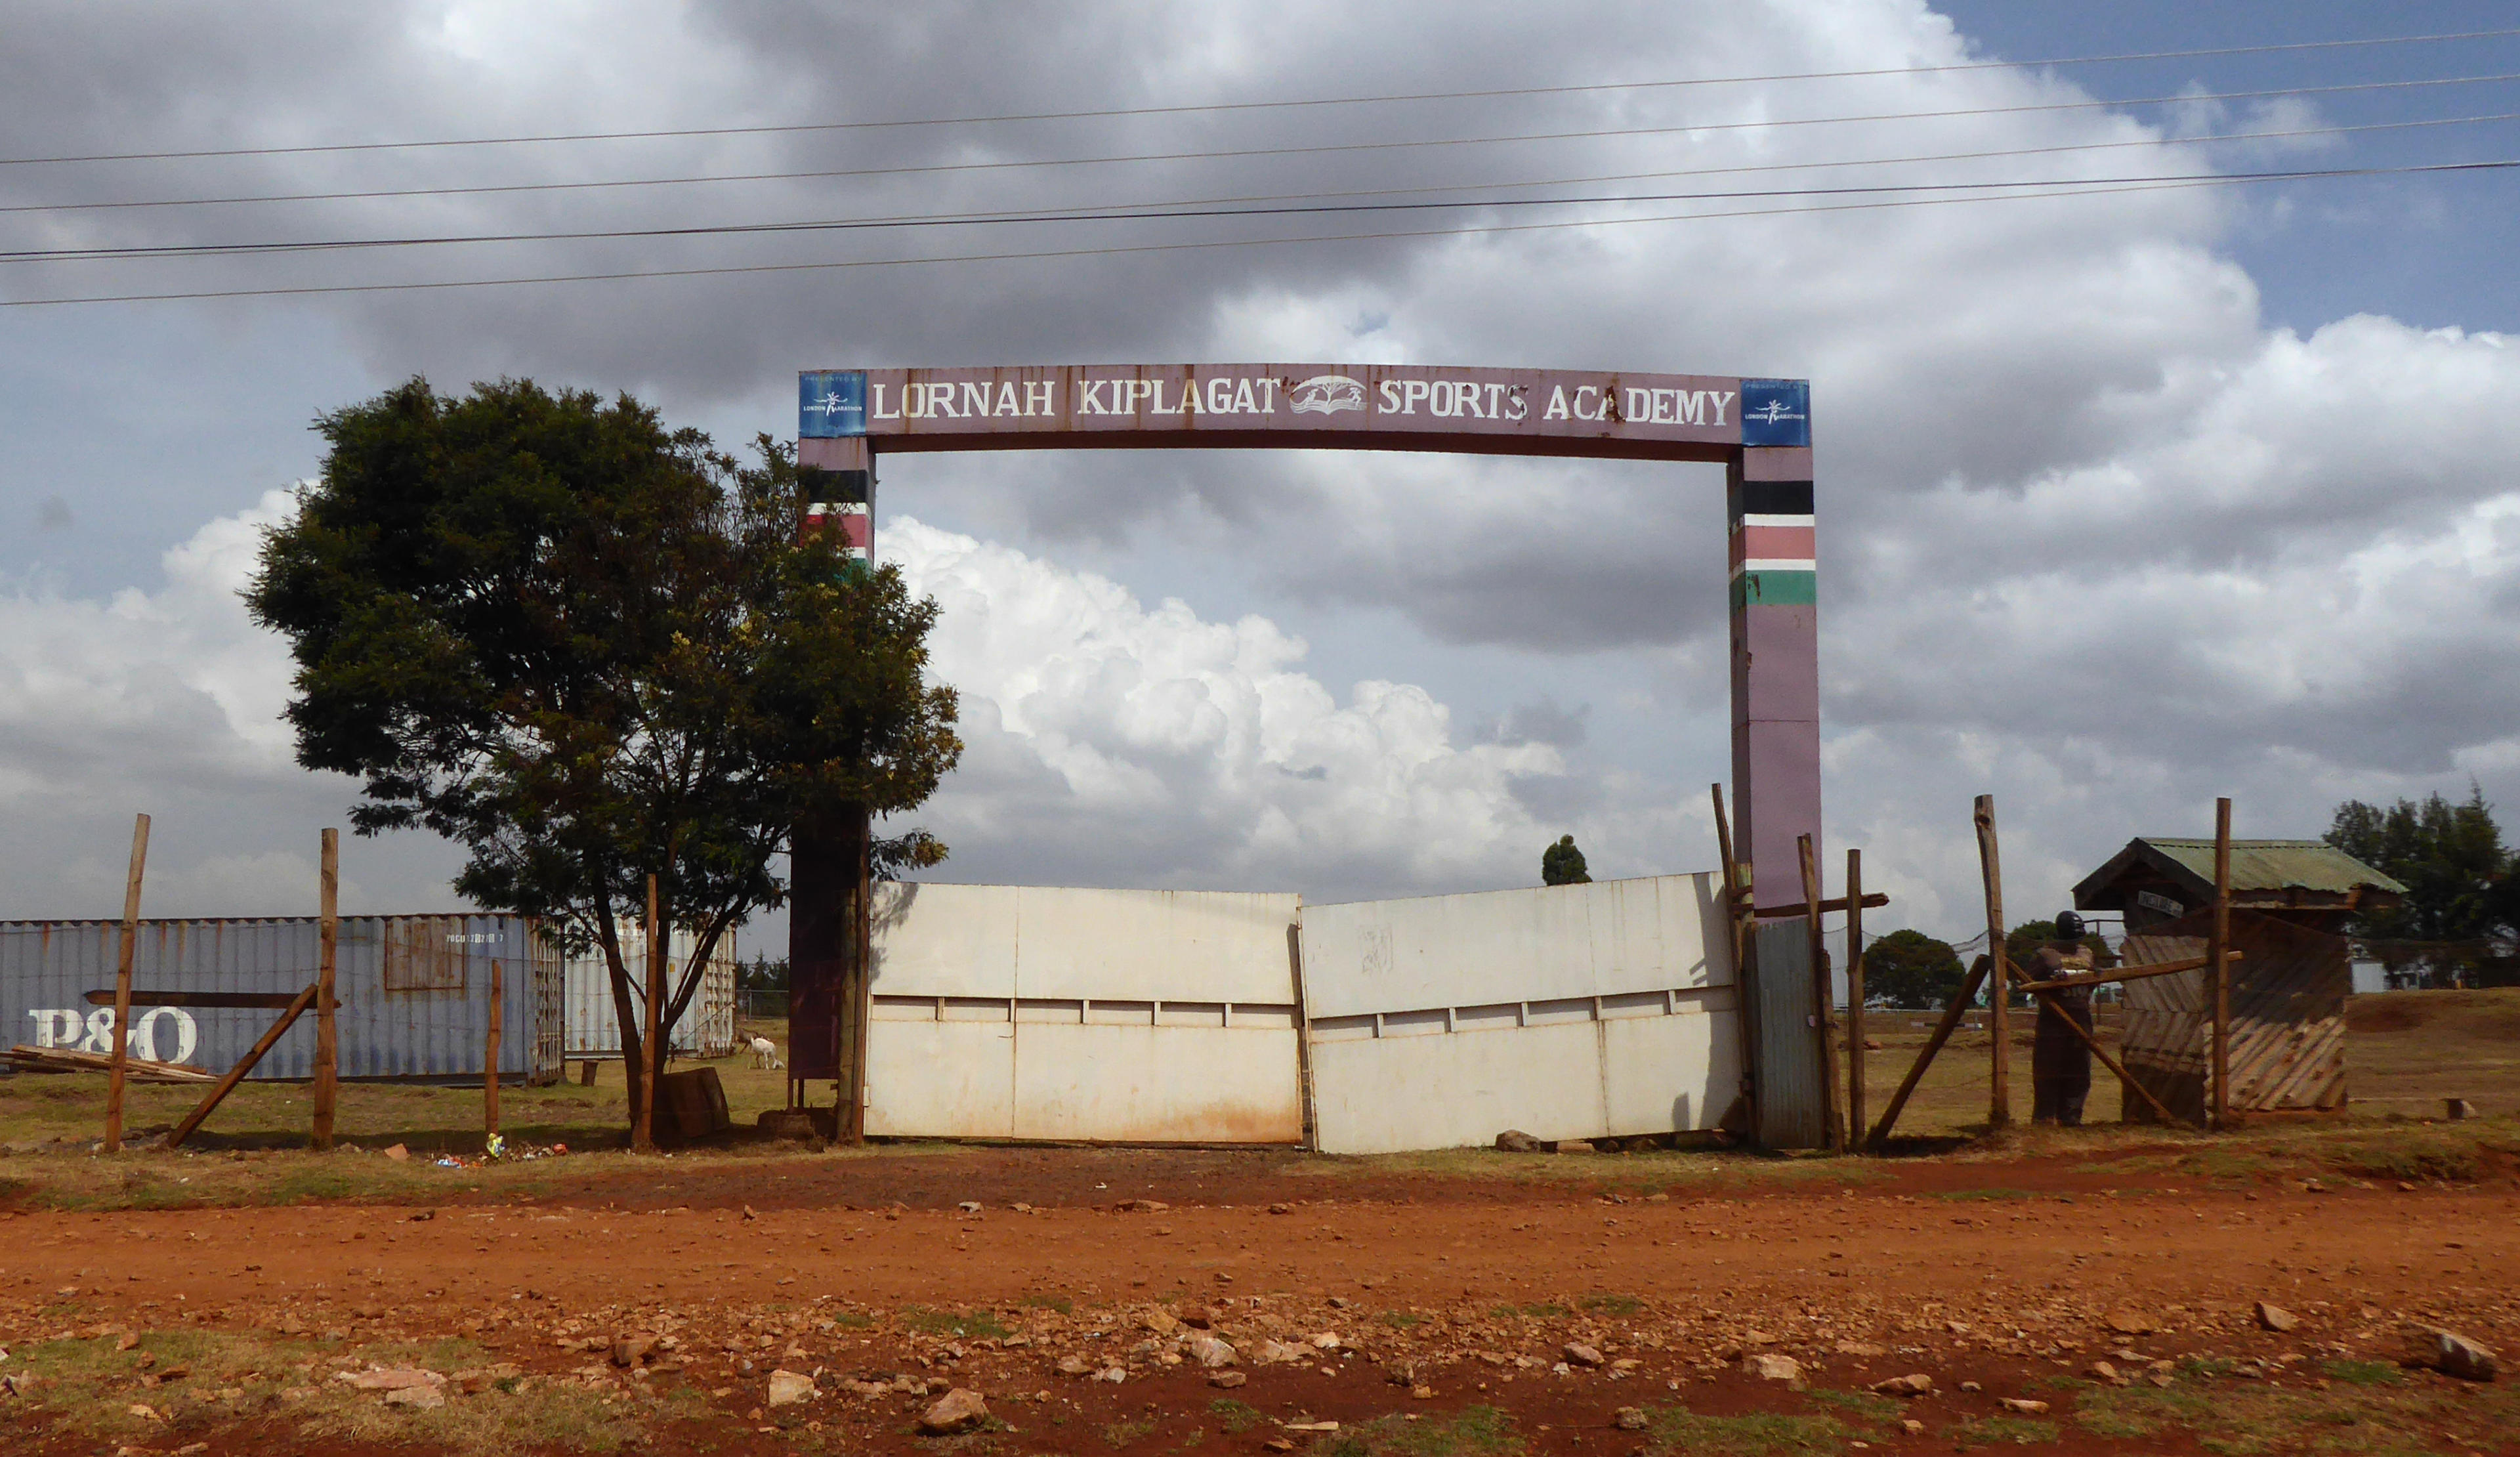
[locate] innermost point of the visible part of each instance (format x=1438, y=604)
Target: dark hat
x=2069, y=927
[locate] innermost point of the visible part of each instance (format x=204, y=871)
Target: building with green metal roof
x=2308, y=881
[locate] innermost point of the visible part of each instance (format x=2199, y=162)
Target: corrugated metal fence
x=414, y=991
x=706, y=1028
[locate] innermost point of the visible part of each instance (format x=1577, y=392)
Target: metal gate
x=1789, y=1093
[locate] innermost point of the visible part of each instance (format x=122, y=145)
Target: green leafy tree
x=1561, y=864
x=1911, y=969
x=592, y=650
x=2463, y=902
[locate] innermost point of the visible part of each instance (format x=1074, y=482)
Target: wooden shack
x=2290, y=898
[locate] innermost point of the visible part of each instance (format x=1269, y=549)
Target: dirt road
x=2013, y=1276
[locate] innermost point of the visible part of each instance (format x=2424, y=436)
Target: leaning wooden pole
x=227, y=1084
x=1737, y=916
x=490, y=1052
x=643, y=1135
x=2111, y=1063
x=1855, y=993
x=1990, y=861
x=1832, y=1135
x=328, y=1030
x=2218, y=965
x=1951, y=1015
x=115, y=1076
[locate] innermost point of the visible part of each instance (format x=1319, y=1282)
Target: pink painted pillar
x=1775, y=638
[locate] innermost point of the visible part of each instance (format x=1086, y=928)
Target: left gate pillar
x=1774, y=638
x=829, y=990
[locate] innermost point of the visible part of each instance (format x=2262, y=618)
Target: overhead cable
x=1113, y=113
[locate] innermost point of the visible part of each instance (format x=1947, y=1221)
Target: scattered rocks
x=1075, y=1366
x=1161, y=1322
x=1143, y=1205
x=422, y=1398
x=2452, y=1355
x=1912, y=1426
x=791, y=1387
x=2103, y=1370
x=398, y=1153
x=1916, y=1384
x=1862, y=1349
x=633, y=1350
x=970, y=1206
x=1228, y=1380
x=2275, y=1317
x=1208, y=1350
x=1112, y=1374
x=1515, y=1141
x=2129, y=1321
x=1629, y=1419
x=956, y=1411
x=1271, y=1352
x=1578, y=1355
x=391, y=1379
x=2024, y=1405
x=1198, y=1317
x=1282, y=1207
x=1767, y=1365
x=2457, y=1109
x=1571, y=1146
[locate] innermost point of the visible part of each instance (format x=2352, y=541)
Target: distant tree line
x=2460, y=920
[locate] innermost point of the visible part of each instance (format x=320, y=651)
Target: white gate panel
x=1110, y=1015
x=1568, y=1012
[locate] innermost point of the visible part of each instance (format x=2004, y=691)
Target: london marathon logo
x=1775, y=412
x=1326, y=395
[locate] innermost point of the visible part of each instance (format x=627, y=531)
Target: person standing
x=2061, y=1062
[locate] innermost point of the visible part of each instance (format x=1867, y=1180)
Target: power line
x=2211, y=139
x=1115, y=249
x=140, y=251
x=1315, y=150
x=1111, y=112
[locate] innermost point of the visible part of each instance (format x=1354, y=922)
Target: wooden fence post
x=1853, y=996
x=327, y=1033
x=490, y=1053
x=123, y=988
x=650, y=1062
x=2219, y=965
x=1831, y=1137
x=1737, y=926
x=1990, y=861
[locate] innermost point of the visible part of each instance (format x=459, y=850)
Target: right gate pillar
x=1774, y=638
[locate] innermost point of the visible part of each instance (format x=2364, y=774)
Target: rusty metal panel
x=2288, y=996
x=1791, y=1111
x=1336, y=406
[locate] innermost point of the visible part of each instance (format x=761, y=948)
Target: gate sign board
x=1759, y=429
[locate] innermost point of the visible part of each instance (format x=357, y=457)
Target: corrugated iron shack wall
x=1567, y=1012
x=414, y=991
x=706, y=1028
x=1790, y=1103
x=2288, y=993
x=1120, y=1015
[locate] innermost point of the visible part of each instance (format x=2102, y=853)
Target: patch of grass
x=1990, y=1431
x=1471, y=1432
x=2412, y=1160
x=2365, y=1373
x=1116, y=1434
x=1400, y=1320
x=1612, y=1304
x=1861, y=1405
x=1541, y=1310
x=969, y=1325
x=1957, y=1195
x=851, y=1319
x=1676, y=1431
x=1236, y=1417
x=1060, y=1303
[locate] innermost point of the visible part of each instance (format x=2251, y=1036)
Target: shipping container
x=414, y=992
x=706, y=1028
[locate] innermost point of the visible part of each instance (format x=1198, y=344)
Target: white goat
x=765, y=1053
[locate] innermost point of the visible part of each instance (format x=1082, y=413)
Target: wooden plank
x=69, y=1060
x=1943, y=1030
x=1854, y=992
x=2216, y=967
x=490, y=1053
x=236, y=1074
x=115, y=1076
x=253, y=1001
x=1737, y=895
x=1833, y=1136
x=2120, y=974
x=1989, y=862
x=328, y=1001
x=1875, y=901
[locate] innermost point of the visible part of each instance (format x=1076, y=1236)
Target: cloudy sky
x=2133, y=491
